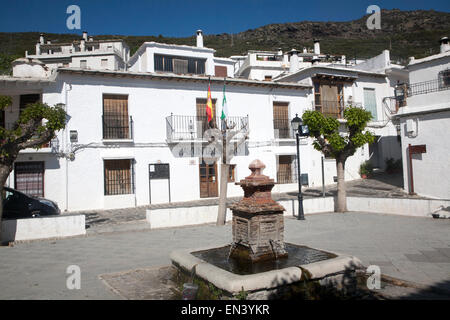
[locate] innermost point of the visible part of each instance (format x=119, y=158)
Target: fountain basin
x=335, y=270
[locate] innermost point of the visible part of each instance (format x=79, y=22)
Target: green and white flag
x=224, y=114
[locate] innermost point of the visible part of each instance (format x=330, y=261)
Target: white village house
x=425, y=122
x=136, y=128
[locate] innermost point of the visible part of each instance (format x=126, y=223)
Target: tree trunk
x=341, y=204
x=4, y=173
x=221, y=216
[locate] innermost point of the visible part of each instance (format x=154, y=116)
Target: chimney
x=315, y=60
x=38, y=48
x=199, y=39
x=316, y=46
x=85, y=37
x=91, y=38
x=41, y=38
x=82, y=45
x=445, y=46
x=343, y=60
x=294, y=61
x=305, y=50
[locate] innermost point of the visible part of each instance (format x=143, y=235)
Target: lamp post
x=300, y=131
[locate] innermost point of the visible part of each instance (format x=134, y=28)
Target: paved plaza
x=409, y=248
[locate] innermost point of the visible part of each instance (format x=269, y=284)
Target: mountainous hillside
x=405, y=33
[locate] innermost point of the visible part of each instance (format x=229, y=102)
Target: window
x=119, y=177
x=179, y=65
x=231, y=173
x=281, y=121
x=83, y=64
x=284, y=170
x=116, y=122
x=329, y=98
x=267, y=78
x=370, y=102
x=26, y=99
x=104, y=63
x=29, y=178
x=444, y=77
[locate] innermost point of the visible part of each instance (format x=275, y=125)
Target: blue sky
x=180, y=18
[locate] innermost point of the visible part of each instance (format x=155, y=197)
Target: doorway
x=208, y=179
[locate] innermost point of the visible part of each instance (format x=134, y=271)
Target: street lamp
x=300, y=131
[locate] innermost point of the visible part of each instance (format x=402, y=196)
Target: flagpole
x=224, y=168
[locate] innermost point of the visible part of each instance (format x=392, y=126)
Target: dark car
x=17, y=205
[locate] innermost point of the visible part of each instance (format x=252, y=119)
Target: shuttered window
x=116, y=123
x=281, y=123
x=119, y=177
x=179, y=65
x=29, y=178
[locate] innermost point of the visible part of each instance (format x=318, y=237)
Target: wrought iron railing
x=331, y=108
x=283, y=129
x=179, y=127
x=425, y=87
x=117, y=127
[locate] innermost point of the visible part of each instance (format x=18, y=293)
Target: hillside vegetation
x=405, y=33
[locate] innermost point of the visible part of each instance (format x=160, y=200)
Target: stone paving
x=409, y=248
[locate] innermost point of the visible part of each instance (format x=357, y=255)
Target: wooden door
x=208, y=180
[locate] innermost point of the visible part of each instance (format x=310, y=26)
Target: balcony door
x=208, y=179
x=329, y=98
x=281, y=120
x=202, y=118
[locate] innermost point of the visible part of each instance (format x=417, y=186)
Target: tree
x=36, y=126
x=339, y=144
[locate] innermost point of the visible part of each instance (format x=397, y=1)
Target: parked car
x=17, y=205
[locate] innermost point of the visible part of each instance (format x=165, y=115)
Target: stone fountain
x=258, y=223
x=258, y=261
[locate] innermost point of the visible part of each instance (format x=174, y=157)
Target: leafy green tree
x=36, y=126
x=339, y=140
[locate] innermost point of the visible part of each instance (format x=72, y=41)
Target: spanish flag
x=209, y=109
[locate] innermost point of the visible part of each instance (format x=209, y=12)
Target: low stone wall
x=43, y=228
x=400, y=206
x=176, y=217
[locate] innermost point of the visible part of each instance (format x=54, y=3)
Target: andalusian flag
x=224, y=105
x=209, y=109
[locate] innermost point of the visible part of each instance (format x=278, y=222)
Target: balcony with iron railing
x=194, y=128
x=283, y=129
x=331, y=108
x=117, y=127
x=430, y=86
